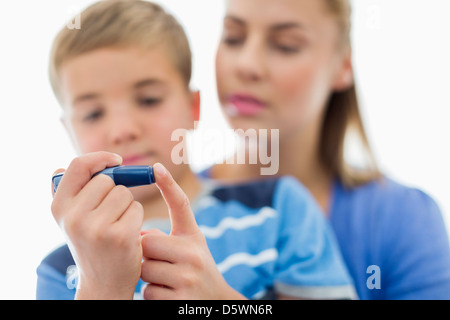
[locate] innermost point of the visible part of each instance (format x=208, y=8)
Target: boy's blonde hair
x=121, y=23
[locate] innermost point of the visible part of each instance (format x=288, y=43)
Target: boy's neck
x=156, y=208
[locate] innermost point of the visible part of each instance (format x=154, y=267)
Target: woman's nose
x=250, y=61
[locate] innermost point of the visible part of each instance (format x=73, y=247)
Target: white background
x=401, y=58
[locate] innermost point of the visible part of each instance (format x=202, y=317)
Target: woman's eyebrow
x=274, y=27
x=234, y=19
x=288, y=25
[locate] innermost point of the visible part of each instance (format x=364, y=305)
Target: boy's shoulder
x=256, y=193
x=57, y=275
x=253, y=194
x=59, y=259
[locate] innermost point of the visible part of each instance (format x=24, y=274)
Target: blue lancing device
x=128, y=176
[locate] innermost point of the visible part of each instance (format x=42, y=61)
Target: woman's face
x=278, y=62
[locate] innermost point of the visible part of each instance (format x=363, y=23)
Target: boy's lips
x=136, y=159
x=244, y=104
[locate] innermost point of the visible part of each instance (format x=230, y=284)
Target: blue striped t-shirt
x=267, y=238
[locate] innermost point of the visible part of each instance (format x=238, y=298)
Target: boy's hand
x=179, y=265
x=102, y=224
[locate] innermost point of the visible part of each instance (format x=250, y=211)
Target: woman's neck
x=299, y=156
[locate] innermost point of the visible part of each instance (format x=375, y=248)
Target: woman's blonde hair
x=121, y=23
x=342, y=116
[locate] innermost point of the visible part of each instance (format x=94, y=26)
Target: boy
x=123, y=81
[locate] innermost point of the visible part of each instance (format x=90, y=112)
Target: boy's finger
x=160, y=272
x=95, y=192
x=156, y=245
x=181, y=216
x=157, y=292
x=133, y=217
x=81, y=170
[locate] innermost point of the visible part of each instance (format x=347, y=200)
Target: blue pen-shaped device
x=128, y=176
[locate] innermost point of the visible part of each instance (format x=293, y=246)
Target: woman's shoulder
x=398, y=228
x=385, y=201
x=385, y=193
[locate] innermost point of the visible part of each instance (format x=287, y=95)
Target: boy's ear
x=344, y=77
x=195, y=96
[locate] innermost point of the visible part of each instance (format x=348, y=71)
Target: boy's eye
x=93, y=116
x=149, y=102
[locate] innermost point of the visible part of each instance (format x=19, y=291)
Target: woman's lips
x=246, y=105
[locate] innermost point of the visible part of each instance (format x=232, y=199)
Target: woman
x=286, y=64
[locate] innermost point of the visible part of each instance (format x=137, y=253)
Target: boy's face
x=127, y=101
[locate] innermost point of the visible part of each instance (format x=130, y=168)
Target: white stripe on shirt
x=238, y=223
x=247, y=259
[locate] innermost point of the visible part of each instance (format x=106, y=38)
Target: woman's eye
x=230, y=41
x=93, y=116
x=288, y=49
x=287, y=44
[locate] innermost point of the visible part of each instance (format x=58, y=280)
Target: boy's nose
x=124, y=127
